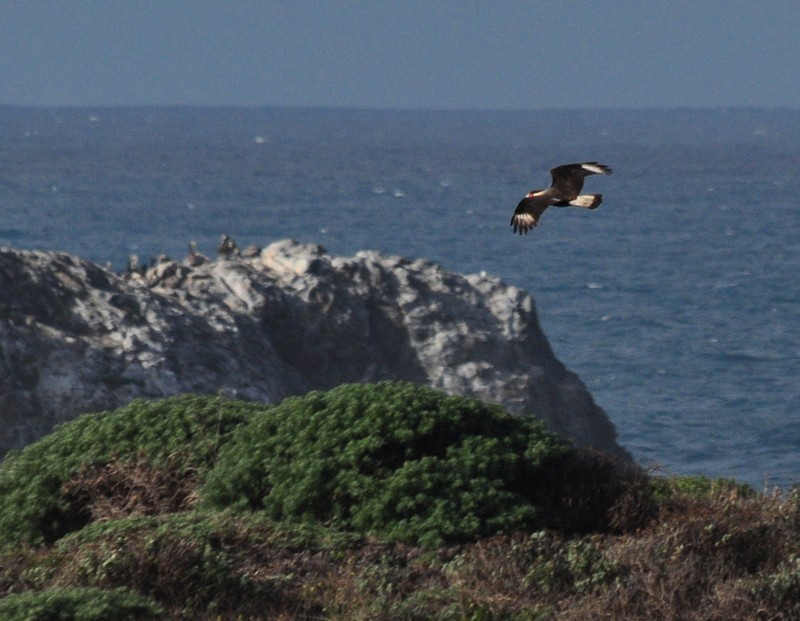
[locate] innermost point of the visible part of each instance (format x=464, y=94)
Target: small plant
x=78, y=604
x=520, y=569
x=781, y=589
x=700, y=486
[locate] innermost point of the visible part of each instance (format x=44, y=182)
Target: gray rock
x=76, y=338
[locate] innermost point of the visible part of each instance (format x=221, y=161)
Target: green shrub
x=780, y=590
x=701, y=486
x=195, y=564
x=538, y=566
x=78, y=604
x=209, y=526
x=393, y=459
x=183, y=433
x=203, y=565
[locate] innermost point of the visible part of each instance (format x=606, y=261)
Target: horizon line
x=401, y=109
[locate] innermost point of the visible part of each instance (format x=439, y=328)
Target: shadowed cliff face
x=76, y=338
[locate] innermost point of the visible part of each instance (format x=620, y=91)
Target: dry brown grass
x=723, y=557
x=122, y=488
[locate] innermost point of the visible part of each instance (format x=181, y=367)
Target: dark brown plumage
x=563, y=192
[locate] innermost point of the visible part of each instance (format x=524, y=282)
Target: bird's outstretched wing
x=568, y=178
x=526, y=215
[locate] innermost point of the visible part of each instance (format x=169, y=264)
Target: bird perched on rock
x=132, y=266
x=563, y=192
x=251, y=251
x=195, y=257
x=227, y=247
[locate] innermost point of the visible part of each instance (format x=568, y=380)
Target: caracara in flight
x=564, y=192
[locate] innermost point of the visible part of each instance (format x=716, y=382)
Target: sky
x=393, y=54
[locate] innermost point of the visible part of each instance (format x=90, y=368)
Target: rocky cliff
x=75, y=337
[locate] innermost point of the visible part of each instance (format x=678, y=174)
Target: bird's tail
x=587, y=201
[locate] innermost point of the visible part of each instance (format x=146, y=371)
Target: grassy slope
x=204, y=508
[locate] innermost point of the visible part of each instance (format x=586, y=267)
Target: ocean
x=677, y=301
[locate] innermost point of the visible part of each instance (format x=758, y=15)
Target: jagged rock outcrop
x=75, y=337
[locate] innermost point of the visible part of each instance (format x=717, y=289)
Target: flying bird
x=564, y=192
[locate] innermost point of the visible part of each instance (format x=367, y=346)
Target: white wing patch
x=589, y=201
x=583, y=200
x=595, y=169
x=525, y=219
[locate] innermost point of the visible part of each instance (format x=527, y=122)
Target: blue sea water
x=676, y=302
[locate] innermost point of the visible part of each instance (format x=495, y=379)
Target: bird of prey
x=564, y=192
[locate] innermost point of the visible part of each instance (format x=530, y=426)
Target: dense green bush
x=78, y=604
x=183, y=433
x=393, y=459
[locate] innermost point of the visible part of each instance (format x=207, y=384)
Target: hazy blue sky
x=510, y=54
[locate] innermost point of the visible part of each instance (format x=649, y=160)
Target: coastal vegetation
x=373, y=501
